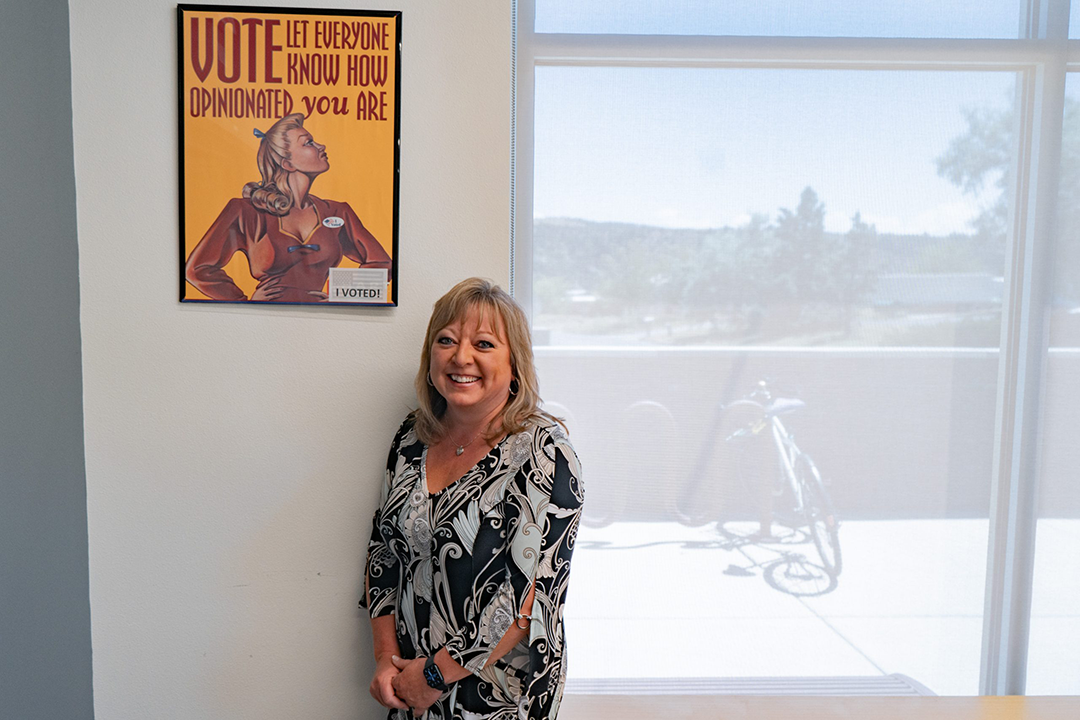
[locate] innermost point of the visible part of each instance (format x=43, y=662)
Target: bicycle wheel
x=821, y=519
x=691, y=514
x=596, y=520
x=601, y=504
x=712, y=486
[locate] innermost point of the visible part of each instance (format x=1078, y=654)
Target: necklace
x=461, y=448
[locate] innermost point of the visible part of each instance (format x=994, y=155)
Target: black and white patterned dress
x=455, y=566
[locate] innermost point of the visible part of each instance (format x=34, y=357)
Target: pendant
x=459, y=450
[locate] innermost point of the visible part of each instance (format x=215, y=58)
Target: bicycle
x=798, y=475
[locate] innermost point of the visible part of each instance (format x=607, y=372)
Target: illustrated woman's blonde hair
x=269, y=195
x=523, y=407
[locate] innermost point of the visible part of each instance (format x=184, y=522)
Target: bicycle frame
x=809, y=496
x=788, y=451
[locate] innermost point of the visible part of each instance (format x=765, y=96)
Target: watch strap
x=433, y=675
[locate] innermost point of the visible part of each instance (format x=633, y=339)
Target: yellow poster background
x=219, y=152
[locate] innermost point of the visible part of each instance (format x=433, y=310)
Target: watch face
x=433, y=676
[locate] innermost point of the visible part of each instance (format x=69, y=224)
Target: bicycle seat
x=779, y=406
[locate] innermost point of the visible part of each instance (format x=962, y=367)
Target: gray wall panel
x=45, y=667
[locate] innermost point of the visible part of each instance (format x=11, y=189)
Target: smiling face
x=470, y=366
x=305, y=155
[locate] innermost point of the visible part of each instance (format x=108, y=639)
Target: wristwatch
x=434, y=676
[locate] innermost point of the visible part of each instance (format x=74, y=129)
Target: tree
x=983, y=156
x=979, y=158
x=820, y=268
x=800, y=249
x=853, y=272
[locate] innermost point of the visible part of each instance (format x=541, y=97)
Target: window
x=787, y=270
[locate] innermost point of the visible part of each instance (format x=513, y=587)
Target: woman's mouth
x=464, y=379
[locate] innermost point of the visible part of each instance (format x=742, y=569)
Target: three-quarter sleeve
x=357, y=242
x=382, y=571
x=540, y=512
x=205, y=265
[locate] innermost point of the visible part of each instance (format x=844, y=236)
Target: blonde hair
x=269, y=195
x=523, y=407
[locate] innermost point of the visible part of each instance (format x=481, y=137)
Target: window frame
x=1041, y=56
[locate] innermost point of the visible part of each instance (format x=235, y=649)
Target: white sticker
x=333, y=222
x=365, y=285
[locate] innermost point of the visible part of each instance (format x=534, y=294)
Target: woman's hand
x=268, y=291
x=382, y=688
x=410, y=685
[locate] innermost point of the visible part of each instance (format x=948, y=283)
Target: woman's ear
x=287, y=166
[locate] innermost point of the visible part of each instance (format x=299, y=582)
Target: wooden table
x=732, y=707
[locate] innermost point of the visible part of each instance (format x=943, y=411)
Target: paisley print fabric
x=454, y=567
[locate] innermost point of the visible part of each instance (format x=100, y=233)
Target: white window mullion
x=1014, y=488
x=521, y=274
x=676, y=50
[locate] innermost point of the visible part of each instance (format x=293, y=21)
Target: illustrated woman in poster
x=290, y=237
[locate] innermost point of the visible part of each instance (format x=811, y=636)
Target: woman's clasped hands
x=382, y=688
x=411, y=686
x=400, y=684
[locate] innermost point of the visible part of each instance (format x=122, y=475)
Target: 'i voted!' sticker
x=333, y=222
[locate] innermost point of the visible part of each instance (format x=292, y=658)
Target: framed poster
x=289, y=130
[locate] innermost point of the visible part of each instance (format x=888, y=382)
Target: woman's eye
x=444, y=341
x=486, y=344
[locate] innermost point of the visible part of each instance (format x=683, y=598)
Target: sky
x=857, y=18
x=708, y=147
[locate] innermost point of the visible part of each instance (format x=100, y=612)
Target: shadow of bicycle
x=785, y=568
x=778, y=557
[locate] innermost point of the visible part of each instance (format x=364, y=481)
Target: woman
x=291, y=238
x=470, y=548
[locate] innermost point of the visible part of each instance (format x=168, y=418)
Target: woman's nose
x=463, y=354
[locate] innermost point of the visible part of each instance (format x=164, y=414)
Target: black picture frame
x=343, y=27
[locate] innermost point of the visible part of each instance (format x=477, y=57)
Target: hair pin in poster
x=271, y=101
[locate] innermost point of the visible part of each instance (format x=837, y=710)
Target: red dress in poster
x=291, y=238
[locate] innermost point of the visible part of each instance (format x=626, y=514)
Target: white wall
x=232, y=453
